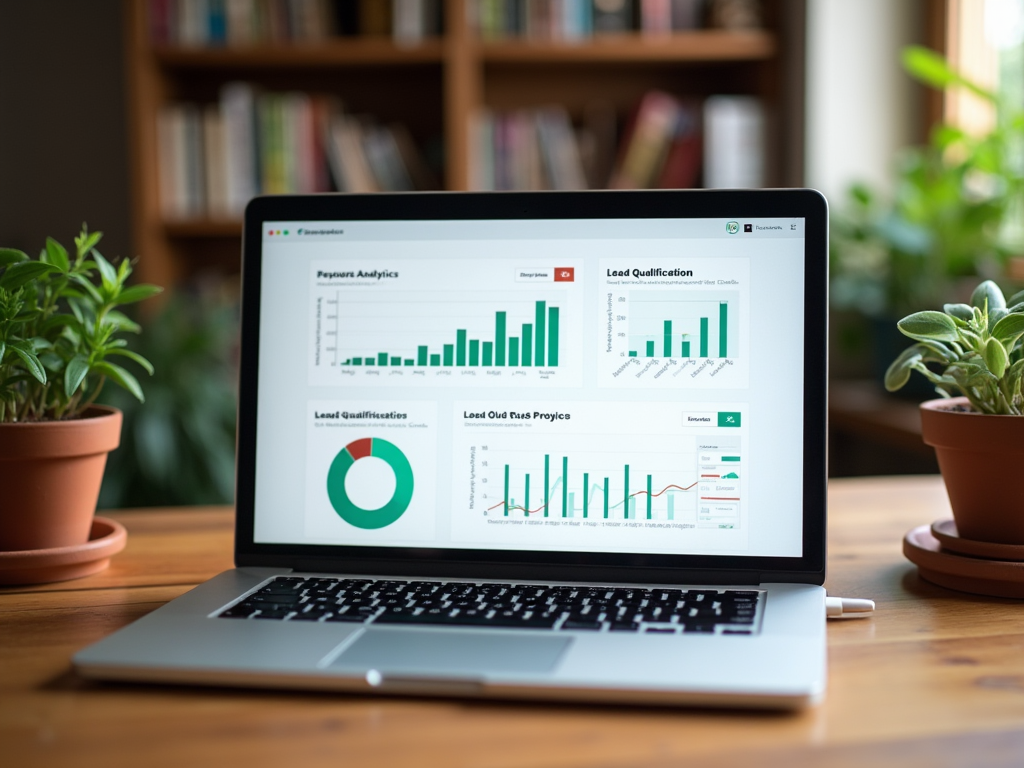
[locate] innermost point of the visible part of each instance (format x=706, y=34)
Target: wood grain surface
x=936, y=678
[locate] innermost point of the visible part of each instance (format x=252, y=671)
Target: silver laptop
x=533, y=445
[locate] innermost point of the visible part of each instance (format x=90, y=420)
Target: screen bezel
x=580, y=566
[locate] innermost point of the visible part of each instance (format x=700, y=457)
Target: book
x=647, y=141
x=733, y=142
x=687, y=14
x=656, y=17
x=612, y=16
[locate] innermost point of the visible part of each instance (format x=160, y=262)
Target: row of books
x=214, y=158
x=667, y=143
x=578, y=19
x=214, y=23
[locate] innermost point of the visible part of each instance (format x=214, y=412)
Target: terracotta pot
x=981, y=458
x=50, y=475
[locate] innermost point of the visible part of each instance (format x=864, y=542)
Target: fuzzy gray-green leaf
x=990, y=291
x=898, y=373
x=1009, y=329
x=996, y=359
x=960, y=311
x=928, y=326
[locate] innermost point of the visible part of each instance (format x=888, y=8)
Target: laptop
x=521, y=445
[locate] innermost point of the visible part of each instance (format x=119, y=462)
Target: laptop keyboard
x=523, y=606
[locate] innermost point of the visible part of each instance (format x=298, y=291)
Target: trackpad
x=411, y=651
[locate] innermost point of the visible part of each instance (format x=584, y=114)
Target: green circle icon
x=344, y=506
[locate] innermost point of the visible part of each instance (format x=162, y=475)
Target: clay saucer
x=36, y=566
x=998, y=578
x=945, y=531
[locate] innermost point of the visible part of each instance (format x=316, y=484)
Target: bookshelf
x=437, y=87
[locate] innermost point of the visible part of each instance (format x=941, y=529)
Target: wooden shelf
x=203, y=228
x=341, y=53
x=694, y=47
x=437, y=87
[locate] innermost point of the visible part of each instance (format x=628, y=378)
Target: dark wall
x=63, y=123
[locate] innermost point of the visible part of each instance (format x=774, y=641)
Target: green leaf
x=994, y=316
x=57, y=254
x=86, y=241
x=1017, y=298
x=108, y=275
x=929, y=67
x=898, y=374
x=147, y=366
x=28, y=357
x=3, y=350
x=23, y=272
x=928, y=326
x=988, y=290
x=137, y=293
x=123, y=322
x=960, y=311
x=75, y=373
x=89, y=288
x=1009, y=329
x=11, y=256
x=122, y=377
x=995, y=358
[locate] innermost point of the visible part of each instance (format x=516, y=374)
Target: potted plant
x=60, y=335
x=976, y=351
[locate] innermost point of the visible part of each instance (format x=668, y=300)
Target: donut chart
x=394, y=508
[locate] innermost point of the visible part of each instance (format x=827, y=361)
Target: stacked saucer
x=980, y=567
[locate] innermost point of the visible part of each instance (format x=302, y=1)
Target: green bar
x=346, y=362
x=547, y=482
x=506, y=490
x=526, y=504
x=572, y=505
x=703, y=337
x=649, y=498
x=668, y=338
x=435, y=360
x=357, y=361
x=538, y=325
x=382, y=358
x=449, y=354
x=730, y=458
x=565, y=483
x=671, y=506
x=552, y=336
x=527, y=348
x=606, y=497
x=625, y=491
x=488, y=352
x=723, y=326
x=499, y=338
x=409, y=361
x=474, y=352
x=369, y=361
x=586, y=493
x=631, y=514
x=513, y=351
x=632, y=353
x=650, y=349
x=460, y=347
x=421, y=356
x=396, y=361
x=686, y=349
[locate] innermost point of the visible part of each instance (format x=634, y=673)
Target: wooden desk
x=936, y=678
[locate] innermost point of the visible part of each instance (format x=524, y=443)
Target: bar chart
x=529, y=344
x=446, y=323
x=682, y=324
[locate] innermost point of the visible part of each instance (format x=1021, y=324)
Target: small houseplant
x=60, y=343
x=978, y=436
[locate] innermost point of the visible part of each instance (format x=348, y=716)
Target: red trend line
x=638, y=493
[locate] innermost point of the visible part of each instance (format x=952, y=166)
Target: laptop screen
x=533, y=385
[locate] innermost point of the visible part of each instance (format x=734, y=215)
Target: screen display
x=607, y=386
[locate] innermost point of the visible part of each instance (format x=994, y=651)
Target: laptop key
x=591, y=625
x=462, y=619
x=347, y=617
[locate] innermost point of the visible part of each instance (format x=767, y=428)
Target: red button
x=565, y=274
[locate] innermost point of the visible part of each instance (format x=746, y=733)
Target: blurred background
x=155, y=120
